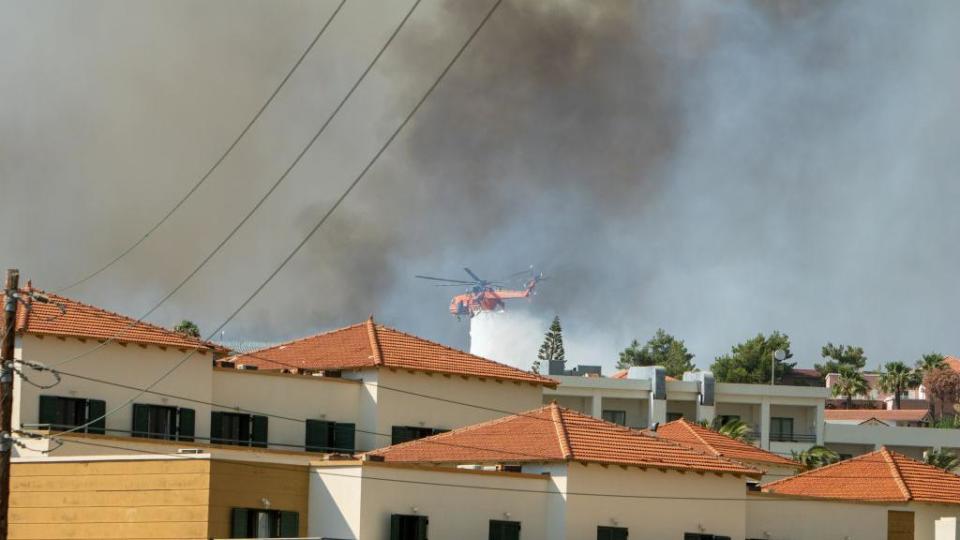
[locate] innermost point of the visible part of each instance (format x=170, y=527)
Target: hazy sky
x=717, y=169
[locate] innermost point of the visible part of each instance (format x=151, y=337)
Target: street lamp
x=778, y=356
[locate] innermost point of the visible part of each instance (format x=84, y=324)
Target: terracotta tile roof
x=900, y=415
x=710, y=442
x=369, y=344
x=879, y=476
x=85, y=321
x=556, y=434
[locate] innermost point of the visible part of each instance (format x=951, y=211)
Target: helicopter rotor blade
x=474, y=276
x=458, y=281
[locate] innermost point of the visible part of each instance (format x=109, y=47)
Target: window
x=325, y=436
x=68, y=412
x=616, y=417
x=611, y=533
x=406, y=527
x=781, y=429
x=237, y=428
x=504, y=530
x=671, y=416
x=402, y=434
x=254, y=523
x=160, y=422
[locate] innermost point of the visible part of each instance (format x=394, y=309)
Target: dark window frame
x=611, y=415
x=246, y=429
x=283, y=523
x=778, y=433
x=180, y=424
x=402, y=434
x=606, y=532
x=82, y=411
x=329, y=436
x=400, y=525
x=501, y=529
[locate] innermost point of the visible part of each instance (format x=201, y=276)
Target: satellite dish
x=779, y=355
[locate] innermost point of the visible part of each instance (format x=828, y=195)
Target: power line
x=259, y=203
x=327, y=215
x=216, y=163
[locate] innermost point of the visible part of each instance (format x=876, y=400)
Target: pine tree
x=552, y=348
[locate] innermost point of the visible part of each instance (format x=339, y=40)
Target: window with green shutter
x=60, y=412
x=504, y=530
x=344, y=437
x=402, y=434
x=239, y=429
x=318, y=435
x=408, y=527
x=611, y=533
x=162, y=422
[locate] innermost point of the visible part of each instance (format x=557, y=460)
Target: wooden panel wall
x=110, y=499
x=245, y=485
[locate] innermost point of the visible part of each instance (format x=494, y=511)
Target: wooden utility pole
x=6, y=393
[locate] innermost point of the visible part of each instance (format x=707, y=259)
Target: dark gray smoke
x=717, y=169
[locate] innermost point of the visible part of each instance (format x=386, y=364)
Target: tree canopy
x=660, y=350
x=840, y=355
x=896, y=379
x=851, y=383
x=749, y=362
x=189, y=328
x=944, y=387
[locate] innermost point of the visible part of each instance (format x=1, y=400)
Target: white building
x=781, y=418
x=551, y=473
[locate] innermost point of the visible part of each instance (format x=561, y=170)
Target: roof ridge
x=374, y=342
x=55, y=296
x=458, y=351
x=897, y=475
x=562, y=436
x=299, y=339
x=696, y=433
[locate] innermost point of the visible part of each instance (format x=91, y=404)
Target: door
x=899, y=525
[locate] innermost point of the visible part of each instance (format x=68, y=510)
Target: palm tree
x=896, y=379
x=815, y=457
x=850, y=383
x=735, y=429
x=930, y=362
x=942, y=459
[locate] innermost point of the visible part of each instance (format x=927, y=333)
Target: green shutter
x=216, y=427
x=402, y=434
x=422, y=527
x=141, y=420
x=504, y=530
x=496, y=531
x=395, y=524
x=239, y=518
x=96, y=410
x=343, y=437
x=49, y=411
x=289, y=525
x=186, y=424
x=317, y=435
x=258, y=436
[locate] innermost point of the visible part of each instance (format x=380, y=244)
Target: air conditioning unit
x=189, y=451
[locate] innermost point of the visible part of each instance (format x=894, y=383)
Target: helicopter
x=483, y=295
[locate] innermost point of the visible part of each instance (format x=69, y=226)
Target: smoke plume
x=717, y=169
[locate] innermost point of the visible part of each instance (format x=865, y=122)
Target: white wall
x=919, y=438
x=660, y=517
x=483, y=400
x=342, y=505
x=791, y=519
x=131, y=365
x=292, y=396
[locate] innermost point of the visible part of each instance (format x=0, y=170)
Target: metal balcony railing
x=794, y=437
